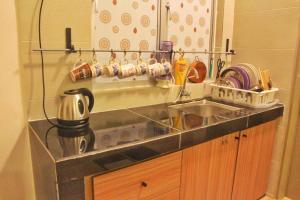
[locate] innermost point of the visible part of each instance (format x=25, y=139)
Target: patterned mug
x=127, y=70
x=112, y=69
x=141, y=67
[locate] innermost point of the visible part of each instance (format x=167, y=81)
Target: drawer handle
x=144, y=184
x=244, y=135
x=237, y=138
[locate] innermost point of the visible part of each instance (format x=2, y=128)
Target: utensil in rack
x=266, y=83
x=220, y=65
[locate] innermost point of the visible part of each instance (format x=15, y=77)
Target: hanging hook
x=112, y=54
x=152, y=58
x=79, y=59
x=140, y=55
x=181, y=52
x=94, y=55
x=152, y=54
x=174, y=56
x=125, y=59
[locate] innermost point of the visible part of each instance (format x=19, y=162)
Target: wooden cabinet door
x=148, y=180
x=253, y=163
x=208, y=169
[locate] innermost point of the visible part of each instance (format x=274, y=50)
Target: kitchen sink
x=205, y=108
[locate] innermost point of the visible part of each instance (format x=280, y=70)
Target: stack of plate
x=242, y=76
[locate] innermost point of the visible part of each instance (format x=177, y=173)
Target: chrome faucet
x=183, y=92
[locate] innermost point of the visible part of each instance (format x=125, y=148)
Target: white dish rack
x=243, y=97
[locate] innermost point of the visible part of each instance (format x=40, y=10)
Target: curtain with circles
x=125, y=25
x=132, y=25
x=189, y=26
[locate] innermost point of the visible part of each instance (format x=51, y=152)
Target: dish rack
x=243, y=97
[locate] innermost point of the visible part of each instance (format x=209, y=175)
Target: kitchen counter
x=117, y=139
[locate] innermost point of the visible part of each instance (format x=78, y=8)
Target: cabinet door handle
x=144, y=184
x=237, y=138
x=245, y=135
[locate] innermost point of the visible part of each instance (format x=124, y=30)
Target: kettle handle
x=86, y=92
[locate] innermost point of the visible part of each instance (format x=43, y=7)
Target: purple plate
x=243, y=76
x=234, y=81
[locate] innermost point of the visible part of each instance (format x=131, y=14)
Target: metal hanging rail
x=70, y=48
x=231, y=52
x=96, y=50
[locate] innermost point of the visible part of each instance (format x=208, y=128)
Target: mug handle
x=86, y=92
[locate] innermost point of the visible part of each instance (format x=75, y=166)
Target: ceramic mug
x=127, y=70
x=141, y=67
x=197, y=72
x=81, y=72
x=112, y=69
x=97, y=69
x=155, y=70
x=158, y=69
x=167, y=67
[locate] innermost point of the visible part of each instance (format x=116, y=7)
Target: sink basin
x=205, y=108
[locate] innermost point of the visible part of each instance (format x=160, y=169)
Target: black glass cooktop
x=106, y=131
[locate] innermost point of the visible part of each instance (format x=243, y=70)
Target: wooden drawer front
x=172, y=195
x=144, y=180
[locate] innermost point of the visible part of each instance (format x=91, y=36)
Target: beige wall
x=293, y=191
x=290, y=179
x=15, y=164
x=266, y=34
x=57, y=15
